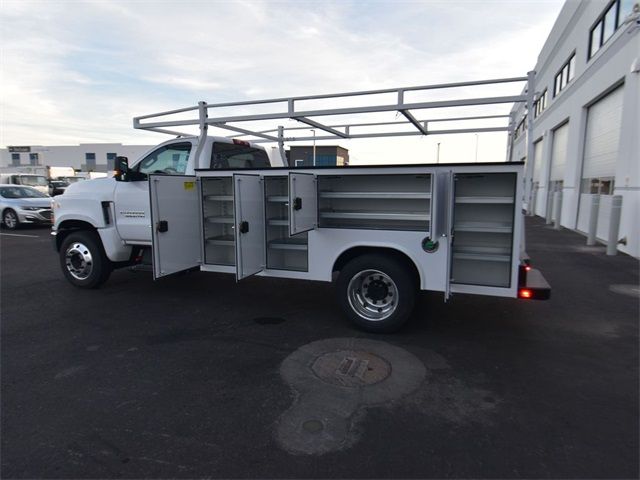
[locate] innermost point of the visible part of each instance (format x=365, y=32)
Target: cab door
x=303, y=203
x=248, y=192
x=131, y=198
x=175, y=218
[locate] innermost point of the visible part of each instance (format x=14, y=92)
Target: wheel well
x=68, y=226
x=348, y=255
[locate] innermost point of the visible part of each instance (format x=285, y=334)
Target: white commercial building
x=586, y=117
x=88, y=157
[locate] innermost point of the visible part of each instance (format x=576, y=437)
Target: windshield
x=21, y=192
x=70, y=179
x=231, y=155
x=33, y=180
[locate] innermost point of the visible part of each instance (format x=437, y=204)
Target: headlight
x=30, y=208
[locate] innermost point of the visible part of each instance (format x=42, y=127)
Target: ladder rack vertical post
x=283, y=155
x=202, y=138
x=528, y=184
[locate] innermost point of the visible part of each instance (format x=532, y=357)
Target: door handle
x=244, y=227
x=297, y=203
x=162, y=226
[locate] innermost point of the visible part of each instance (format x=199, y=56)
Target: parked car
x=24, y=205
x=57, y=187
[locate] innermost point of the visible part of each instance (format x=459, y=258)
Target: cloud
x=77, y=72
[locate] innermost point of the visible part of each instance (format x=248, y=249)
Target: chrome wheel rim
x=10, y=220
x=79, y=261
x=373, y=295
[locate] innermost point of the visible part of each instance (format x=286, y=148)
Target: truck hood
x=99, y=188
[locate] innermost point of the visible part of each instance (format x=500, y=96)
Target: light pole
x=314, y=146
x=438, y=154
x=476, y=148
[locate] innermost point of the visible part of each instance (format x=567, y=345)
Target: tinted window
x=609, y=23
x=231, y=155
x=170, y=160
x=21, y=192
x=595, y=39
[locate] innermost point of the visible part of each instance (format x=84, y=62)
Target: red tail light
x=525, y=293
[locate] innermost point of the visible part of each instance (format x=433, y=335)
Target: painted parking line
x=19, y=235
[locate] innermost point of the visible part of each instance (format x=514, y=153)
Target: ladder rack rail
x=285, y=108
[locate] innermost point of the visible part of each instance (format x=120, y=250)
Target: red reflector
x=525, y=293
x=241, y=142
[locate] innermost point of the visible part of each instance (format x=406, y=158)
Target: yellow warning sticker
x=189, y=185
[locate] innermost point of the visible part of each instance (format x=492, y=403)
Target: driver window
x=170, y=160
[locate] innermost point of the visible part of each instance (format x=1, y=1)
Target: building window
x=520, y=129
x=608, y=22
x=602, y=186
x=540, y=104
x=565, y=75
x=111, y=161
x=90, y=159
x=33, y=159
x=15, y=159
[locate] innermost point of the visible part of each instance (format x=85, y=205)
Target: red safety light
x=527, y=268
x=525, y=293
x=241, y=142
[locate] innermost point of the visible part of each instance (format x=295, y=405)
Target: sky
x=78, y=71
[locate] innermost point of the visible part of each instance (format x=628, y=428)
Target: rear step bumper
x=533, y=285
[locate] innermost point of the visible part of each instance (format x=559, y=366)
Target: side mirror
x=122, y=168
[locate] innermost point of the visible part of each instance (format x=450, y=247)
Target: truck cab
x=116, y=214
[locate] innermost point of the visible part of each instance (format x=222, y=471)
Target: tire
x=10, y=219
x=377, y=292
x=83, y=260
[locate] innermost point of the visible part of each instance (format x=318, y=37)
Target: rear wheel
x=377, y=292
x=83, y=260
x=10, y=219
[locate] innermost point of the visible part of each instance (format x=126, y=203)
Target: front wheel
x=377, y=292
x=10, y=219
x=83, y=260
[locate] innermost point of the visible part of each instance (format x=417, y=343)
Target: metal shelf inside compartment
x=484, y=227
x=278, y=198
x=219, y=198
x=482, y=253
x=484, y=199
x=280, y=222
x=369, y=215
x=220, y=219
x=288, y=244
x=385, y=195
x=225, y=240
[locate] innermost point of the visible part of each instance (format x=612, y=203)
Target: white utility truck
x=218, y=204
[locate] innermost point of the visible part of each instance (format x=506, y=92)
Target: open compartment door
x=449, y=182
x=175, y=224
x=249, y=223
x=303, y=202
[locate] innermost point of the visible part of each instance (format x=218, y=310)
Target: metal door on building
x=601, y=145
x=560, y=140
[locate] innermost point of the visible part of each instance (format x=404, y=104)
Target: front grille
x=46, y=214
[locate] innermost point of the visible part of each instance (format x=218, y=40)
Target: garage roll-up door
x=559, y=152
x=603, y=135
x=537, y=160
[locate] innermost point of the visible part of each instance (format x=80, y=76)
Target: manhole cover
x=624, y=289
x=349, y=368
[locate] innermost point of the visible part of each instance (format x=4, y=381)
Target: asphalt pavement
x=197, y=376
